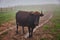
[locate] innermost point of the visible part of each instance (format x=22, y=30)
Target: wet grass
x=46, y=27
x=56, y=22
x=43, y=39
x=10, y=15
x=6, y=16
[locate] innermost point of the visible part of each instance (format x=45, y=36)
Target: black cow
x=29, y=19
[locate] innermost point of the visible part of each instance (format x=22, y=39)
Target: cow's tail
x=16, y=24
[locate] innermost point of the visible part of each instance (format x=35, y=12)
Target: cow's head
x=36, y=16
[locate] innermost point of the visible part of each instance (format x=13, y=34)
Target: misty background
x=11, y=3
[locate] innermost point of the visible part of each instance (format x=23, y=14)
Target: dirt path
x=11, y=35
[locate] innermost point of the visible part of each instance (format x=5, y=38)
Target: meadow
x=6, y=15
x=53, y=26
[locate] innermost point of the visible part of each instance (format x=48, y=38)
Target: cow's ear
x=41, y=14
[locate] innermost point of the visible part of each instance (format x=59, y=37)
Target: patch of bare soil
x=7, y=25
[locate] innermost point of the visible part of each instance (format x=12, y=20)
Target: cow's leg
x=23, y=29
x=29, y=31
x=32, y=30
x=17, y=28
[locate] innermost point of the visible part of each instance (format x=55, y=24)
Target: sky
x=9, y=3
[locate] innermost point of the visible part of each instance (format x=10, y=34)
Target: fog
x=10, y=3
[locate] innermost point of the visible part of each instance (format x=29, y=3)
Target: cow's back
x=22, y=17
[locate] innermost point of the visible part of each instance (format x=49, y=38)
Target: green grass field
x=55, y=28
x=6, y=16
x=56, y=21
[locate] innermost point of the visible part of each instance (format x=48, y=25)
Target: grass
x=56, y=19
x=6, y=16
x=10, y=15
x=43, y=39
x=56, y=22
x=46, y=27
